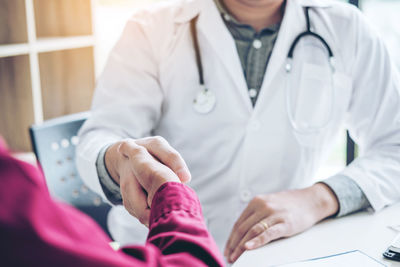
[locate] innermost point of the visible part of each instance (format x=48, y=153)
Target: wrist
x=110, y=160
x=325, y=202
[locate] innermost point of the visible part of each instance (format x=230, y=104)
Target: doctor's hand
x=140, y=167
x=279, y=215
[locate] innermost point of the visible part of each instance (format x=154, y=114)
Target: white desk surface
x=362, y=231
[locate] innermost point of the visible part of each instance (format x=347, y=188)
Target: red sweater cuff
x=173, y=196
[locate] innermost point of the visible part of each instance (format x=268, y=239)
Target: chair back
x=54, y=143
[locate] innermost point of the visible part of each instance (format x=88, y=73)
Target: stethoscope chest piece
x=204, y=101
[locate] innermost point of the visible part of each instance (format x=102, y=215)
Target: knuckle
x=127, y=142
x=131, y=147
x=124, y=145
x=158, y=140
x=139, y=150
x=259, y=201
x=265, y=206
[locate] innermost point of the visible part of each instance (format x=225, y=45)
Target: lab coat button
x=227, y=17
x=257, y=44
x=245, y=196
x=252, y=93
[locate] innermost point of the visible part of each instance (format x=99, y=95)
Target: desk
x=362, y=231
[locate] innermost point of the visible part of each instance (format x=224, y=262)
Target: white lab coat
x=236, y=152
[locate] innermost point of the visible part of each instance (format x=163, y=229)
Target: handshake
x=140, y=167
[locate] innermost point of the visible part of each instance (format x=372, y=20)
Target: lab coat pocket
x=311, y=103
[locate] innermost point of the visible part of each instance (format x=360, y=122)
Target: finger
x=274, y=232
x=144, y=167
x=257, y=205
x=248, y=211
x=135, y=199
x=129, y=149
x=240, y=230
x=255, y=230
x=240, y=248
x=163, y=151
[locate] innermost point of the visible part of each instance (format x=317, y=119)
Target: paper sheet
x=347, y=259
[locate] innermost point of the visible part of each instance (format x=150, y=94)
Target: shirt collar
x=226, y=15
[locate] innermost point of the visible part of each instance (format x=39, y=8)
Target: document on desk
x=347, y=259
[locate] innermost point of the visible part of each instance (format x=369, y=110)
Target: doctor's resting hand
x=128, y=164
x=279, y=215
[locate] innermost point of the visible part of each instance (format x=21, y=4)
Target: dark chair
x=54, y=144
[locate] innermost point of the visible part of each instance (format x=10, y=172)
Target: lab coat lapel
x=293, y=23
x=212, y=28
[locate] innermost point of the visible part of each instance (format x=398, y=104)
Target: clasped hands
x=141, y=166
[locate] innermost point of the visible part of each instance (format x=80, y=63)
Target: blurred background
x=52, y=51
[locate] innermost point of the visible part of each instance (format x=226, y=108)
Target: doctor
x=249, y=95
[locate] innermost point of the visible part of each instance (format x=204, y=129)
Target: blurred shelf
x=63, y=43
x=62, y=18
x=13, y=50
x=46, y=63
x=13, y=22
x=47, y=45
x=67, y=81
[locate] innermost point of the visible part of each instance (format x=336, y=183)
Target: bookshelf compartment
x=67, y=81
x=62, y=18
x=16, y=104
x=13, y=22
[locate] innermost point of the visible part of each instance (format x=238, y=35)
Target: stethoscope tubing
x=308, y=32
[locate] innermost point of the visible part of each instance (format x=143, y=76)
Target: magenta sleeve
x=178, y=230
x=35, y=230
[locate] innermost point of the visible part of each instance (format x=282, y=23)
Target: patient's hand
x=283, y=214
x=141, y=167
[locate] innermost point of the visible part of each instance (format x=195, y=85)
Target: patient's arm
x=36, y=231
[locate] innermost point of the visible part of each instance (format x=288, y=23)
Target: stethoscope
x=205, y=100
